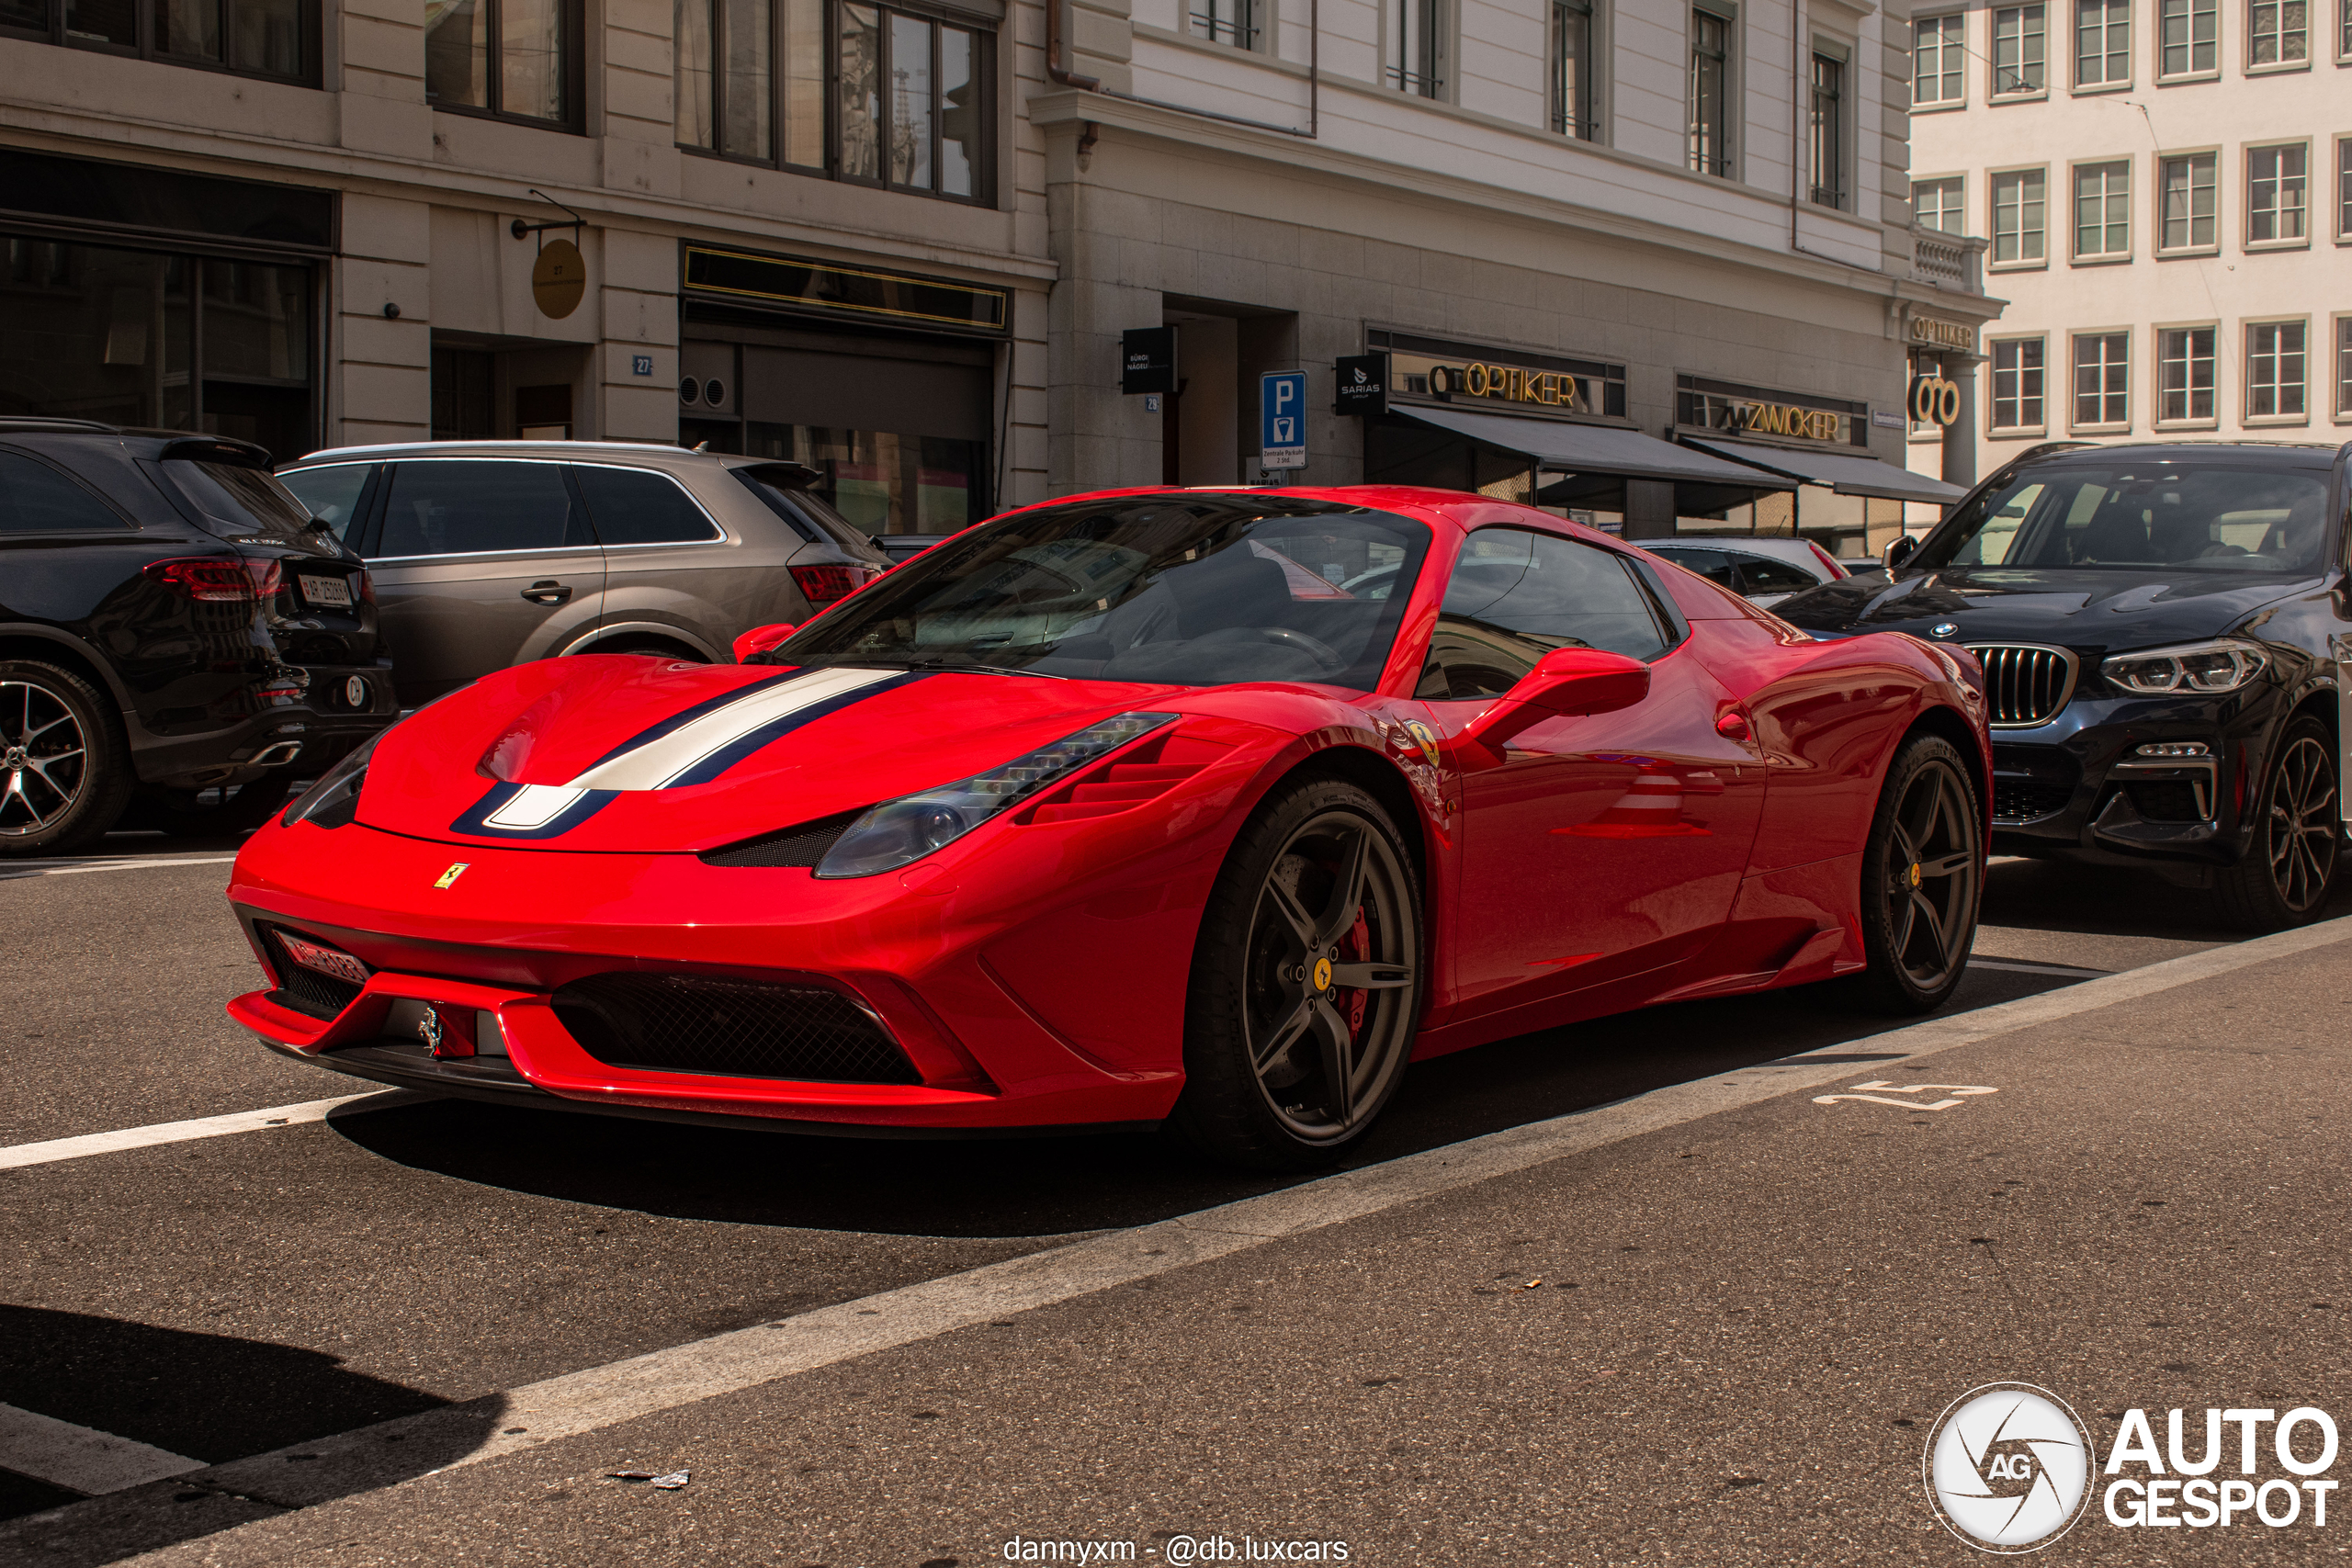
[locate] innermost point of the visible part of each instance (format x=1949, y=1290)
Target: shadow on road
x=2097, y=900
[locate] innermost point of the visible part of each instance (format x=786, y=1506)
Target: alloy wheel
x=44, y=757
x=2301, y=824
x=1331, y=978
x=1931, y=872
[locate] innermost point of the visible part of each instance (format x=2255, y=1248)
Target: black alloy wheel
x=1306, y=989
x=2282, y=878
x=65, y=768
x=1923, y=875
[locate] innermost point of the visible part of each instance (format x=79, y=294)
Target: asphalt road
x=1738, y=1313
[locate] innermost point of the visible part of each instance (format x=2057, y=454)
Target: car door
x=669, y=567
x=1594, y=847
x=480, y=563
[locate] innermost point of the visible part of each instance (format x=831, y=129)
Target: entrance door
x=1598, y=846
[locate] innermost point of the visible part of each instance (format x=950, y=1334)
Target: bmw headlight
x=334, y=800
x=899, y=831
x=2205, y=668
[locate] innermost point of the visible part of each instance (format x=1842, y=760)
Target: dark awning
x=1848, y=474
x=1595, y=461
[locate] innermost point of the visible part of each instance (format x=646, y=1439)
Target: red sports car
x=1210, y=806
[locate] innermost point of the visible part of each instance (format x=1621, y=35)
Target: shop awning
x=1847, y=474
x=1593, y=462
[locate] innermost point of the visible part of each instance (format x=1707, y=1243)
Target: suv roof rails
x=37, y=423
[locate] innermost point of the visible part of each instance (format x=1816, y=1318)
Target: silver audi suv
x=489, y=553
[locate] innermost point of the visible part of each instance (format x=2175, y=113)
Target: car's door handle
x=549, y=593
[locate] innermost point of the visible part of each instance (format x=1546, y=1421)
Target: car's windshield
x=1195, y=588
x=2140, y=513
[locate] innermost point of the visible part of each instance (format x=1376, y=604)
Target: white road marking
x=13, y=875
x=1959, y=1088
x=602, y=1396
x=79, y=1459
x=2013, y=966
x=17, y=1155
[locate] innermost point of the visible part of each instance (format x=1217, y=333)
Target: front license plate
x=327, y=591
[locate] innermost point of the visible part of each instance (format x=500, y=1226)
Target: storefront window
x=254, y=38
x=883, y=483
x=94, y=331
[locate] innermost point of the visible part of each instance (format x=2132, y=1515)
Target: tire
x=210, y=812
x=2281, y=880
x=64, y=762
x=1923, y=879
x=1285, y=1066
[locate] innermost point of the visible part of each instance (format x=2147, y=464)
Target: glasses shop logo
x=2010, y=1468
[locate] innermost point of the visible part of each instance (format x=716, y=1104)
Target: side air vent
x=303, y=987
x=691, y=1023
x=803, y=846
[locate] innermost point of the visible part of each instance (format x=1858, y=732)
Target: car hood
x=618, y=753
x=2092, y=611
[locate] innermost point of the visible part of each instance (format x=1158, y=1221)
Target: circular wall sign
x=559, y=278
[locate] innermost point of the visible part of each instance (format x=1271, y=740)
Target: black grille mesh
x=690, y=1023
x=804, y=845
x=2024, y=684
x=2031, y=781
x=306, y=991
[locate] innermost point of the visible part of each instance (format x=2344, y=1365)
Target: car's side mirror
x=1898, y=550
x=759, y=640
x=1566, y=681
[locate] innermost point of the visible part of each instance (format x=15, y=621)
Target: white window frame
x=1997, y=92
x=1729, y=152
x=2341, y=204
x=1957, y=209
x=2339, y=340
x=2157, y=362
x=1443, y=43
x=1951, y=30
x=2212, y=12
x=1589, y=123
x=2301, y=212
x=2209, y=155
x=1993, y=179
x=1253, y=18
x=2108, y=51
x=2253, y=38
x=2075, y=252
x=2249, y=332
x=2116, y=379
x=1993, y=374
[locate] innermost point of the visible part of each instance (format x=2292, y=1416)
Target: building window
x=2018, y=48
x=2102, y=379
x=2191, y=28
x=2274, y=193
x=747, y=67
x=2102, y=211
x=2017, y=384
x=1938, y=60
x=2185, y=375
x=1226, y=21
x=2274, y=369
x=1936, y=204
x=2102, y=42
x=1575, y=111
x=2277, y=32
x=510, y=59
x=2185, y=202
x=2344, y=180
x=1417, y=48
x=2344, y=367
x=1710, y=92
x=275, y=38
x=2019, y=202
x=1828, y=128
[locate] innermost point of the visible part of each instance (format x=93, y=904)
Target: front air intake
x=2025, y=684
x=691, y=1023
x=305, y=988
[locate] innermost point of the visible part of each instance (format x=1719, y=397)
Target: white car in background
x=1763, y=571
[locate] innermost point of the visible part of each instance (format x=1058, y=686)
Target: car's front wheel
x=2282, y=879
x=1307, y=981
x=64, y=764
x=1923, y=874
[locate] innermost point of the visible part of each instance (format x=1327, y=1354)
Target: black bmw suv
x=2160, y=627
x=179, y=637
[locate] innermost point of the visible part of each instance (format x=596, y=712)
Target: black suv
x=179, y=637
x=2163, y=628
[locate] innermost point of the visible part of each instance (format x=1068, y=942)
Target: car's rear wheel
x=64, y=763
x=2282, y=879
x=1306, y=986
x=1923, y=875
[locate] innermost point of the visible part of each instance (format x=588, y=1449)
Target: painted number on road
x=1887, y=1089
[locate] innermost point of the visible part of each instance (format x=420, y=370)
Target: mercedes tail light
x=213, y=582
x=831, y=583
x=268, y=576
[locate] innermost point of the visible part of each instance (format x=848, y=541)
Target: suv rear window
x=235, y=501
x=807, y=514
x=638, y=506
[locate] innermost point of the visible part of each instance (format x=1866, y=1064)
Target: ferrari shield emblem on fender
x=456, y=870
x=1425, y=737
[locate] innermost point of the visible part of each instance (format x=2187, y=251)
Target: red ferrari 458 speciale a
x=1210, y=807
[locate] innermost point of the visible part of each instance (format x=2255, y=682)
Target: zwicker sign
x=1787, y=419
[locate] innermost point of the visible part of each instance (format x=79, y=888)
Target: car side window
x=1765, y=575
x=332, y=493
x=472, y=506
x=37, y=499
x=1713, y=565
x=1516, y=595
x=638, y=506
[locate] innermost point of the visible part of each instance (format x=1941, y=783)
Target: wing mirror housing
x=759, y=640
x=1566, y=681
x=1898, y=549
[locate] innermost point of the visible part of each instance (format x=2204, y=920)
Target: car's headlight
x=2205, y=668
x=898, y=831
x=334, y=800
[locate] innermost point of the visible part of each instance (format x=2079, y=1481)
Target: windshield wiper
x=942, y=666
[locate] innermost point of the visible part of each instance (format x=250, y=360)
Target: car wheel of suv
x=210, y=813
x=64, y=762
x=2282, y=878
x=1923, y=873
x=1306, y=984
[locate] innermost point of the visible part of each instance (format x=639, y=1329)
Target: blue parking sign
x=1281, y=419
